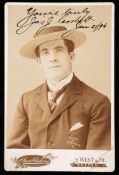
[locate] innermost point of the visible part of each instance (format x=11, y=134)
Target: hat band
x=50, y=30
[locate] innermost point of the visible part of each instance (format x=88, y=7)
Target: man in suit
x=64, y=112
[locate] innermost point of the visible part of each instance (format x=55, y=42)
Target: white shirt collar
x=60, y=84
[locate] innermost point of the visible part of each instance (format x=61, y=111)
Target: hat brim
x=28, y=50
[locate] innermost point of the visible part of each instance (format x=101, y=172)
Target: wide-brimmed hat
x=49, y=34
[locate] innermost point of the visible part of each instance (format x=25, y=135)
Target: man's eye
x=59, y=50
x=44, y=52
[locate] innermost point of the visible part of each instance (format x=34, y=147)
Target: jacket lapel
x=42, y=99
x=71, y=96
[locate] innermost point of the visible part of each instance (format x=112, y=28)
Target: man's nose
x=52, y=57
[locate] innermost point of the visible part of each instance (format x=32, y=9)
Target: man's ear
x=38, y=60
x=72, y=55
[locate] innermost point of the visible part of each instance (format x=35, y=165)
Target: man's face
x=55, y=60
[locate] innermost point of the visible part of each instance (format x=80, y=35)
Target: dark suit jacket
x=36, y=127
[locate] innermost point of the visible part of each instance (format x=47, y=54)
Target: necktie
x=55, y=95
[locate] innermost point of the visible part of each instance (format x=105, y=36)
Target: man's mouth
x=53, y=67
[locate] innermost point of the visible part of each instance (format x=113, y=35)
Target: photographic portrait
x=59, y=86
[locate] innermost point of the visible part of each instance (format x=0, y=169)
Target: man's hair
x=69, y=44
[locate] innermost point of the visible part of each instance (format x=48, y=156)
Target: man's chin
x=56, y=78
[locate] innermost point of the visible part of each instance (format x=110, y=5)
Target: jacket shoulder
x=29, y=94
x=91, y=93
x=37, y=89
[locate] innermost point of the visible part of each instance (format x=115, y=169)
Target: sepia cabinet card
x=76, y=41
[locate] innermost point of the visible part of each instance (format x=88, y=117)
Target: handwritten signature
x=80, y=19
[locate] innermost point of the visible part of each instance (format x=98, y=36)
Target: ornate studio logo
x=33, y=160
x=89, y=162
